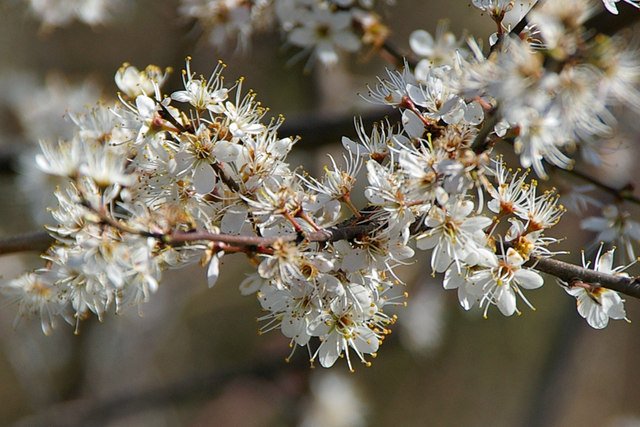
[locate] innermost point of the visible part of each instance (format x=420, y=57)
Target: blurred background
x=192, y=357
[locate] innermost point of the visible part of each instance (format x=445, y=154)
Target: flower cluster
x=156, y=182
x=323, y=28
x=229, y=20
x=554, y=87
x=423, y=186
x=145, y=178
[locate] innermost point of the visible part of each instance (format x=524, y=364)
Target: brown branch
x=624, y=193
x=34, y=241
x=481, y=141
x=217, y=167
x=331, y=234
x=388, y=51
x=39, y=241
x=570, y=273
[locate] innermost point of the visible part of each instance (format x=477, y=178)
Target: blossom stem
x=324, y=235
x=217, y=167
x=293, y=222
x=409, y=105
x=481, y=142
x=302, y=214
x=104, y=218
x=391, y=54
x=346, y=198
x=166, y=115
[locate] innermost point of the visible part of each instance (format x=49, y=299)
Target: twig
x=481, y=141
x=392, y=52
x=332, y=234
x=34, y=241
x=217, y=167
x=624, y=193
x=570, y=273
x=560, y=269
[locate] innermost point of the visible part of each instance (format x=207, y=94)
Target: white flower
x=202, y=94
x=133, y=82
x=529, y=241
x=541, y=137
x=558, y=23
x=422, y=178
x=292, y=308
x=443, y=50
x=105, y=166
x=619, y=63
x=376, y=145
x=501, y=283
x=201, y=150
x=495, y=7
x=336, y=402
x=385, y=190
x=578, y=201
x=595, y=303
x=37, y=295
x=225, y=20
x=510, y=195
x=440, y=100
x=147, y=111
x=244, y=115
x=542, y=211
x=338, y=182
x=345, y=327
x=393, y=89
x=469, y=293
x=614, y=226
x=283, y=264
x=324, y=30
x=55, y=13
x=41, y=110
x=453, y=235
x=70, y=215
x=61, y=159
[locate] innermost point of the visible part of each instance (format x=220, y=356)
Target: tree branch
x=562, y=270
x=624, y=193
x=34, y=241
x=331, y=234
x=570, y=273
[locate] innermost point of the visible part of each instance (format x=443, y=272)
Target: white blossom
x=597, y=304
